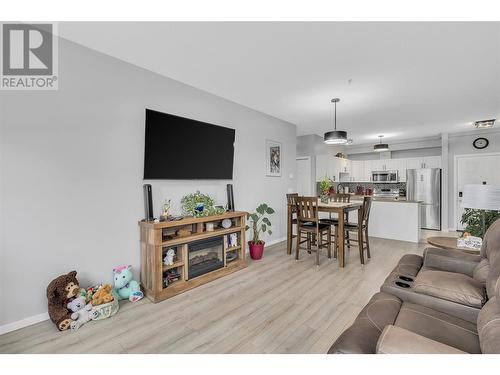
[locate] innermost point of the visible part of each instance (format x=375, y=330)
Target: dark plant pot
x=256, y=250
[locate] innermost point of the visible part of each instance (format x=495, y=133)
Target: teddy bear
x=102, y=295
x=82, y=312
x=124, y=285
x=60, y=291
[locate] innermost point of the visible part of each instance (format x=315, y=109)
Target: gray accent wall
x=72, y=163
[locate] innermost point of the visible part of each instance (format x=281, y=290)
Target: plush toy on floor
x=125, y=287
x=82, y=312
x=102, y=295
x=60, y=291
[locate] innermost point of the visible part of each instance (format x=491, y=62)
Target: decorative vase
x=256, y=250
x=323, y=198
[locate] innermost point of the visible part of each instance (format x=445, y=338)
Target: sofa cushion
x=439, y=327
x=450, y=260
x=451, y=286
x=362, y=336
x=481, y=271
x=488, y=324
x=493, y=276
x=491, y=242
x=397, y=340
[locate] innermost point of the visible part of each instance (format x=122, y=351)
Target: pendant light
x=335, y=137
x=381, y=146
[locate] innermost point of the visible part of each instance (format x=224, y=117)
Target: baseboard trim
x=6, y=328
x=274, y=242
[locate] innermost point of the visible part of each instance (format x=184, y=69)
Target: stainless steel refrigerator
x=425, y=185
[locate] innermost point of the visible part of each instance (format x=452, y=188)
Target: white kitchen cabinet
x=377, y=165
x=358, y=171
x=321, y=167
x=413, y=163
x=367, y=170
x=432, y=161
x=423, y=162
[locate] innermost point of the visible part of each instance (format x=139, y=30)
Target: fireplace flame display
x=205, y=256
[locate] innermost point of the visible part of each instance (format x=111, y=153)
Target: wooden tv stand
x=158, y=238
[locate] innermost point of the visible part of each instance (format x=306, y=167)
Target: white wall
x=72, y=164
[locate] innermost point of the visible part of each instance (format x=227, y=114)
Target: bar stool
x=291, y=200
x=362, y=232
x=308, y=223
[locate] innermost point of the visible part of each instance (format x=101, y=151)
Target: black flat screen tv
x=178, y=148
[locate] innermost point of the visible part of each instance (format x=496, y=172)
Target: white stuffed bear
x=81, y=313
x=169, y=258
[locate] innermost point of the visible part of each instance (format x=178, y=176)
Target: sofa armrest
x=450, y=260
x=396, y=340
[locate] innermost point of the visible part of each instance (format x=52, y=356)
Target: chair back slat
x=367, y=204
x=291, y=199
x=307, y=209
x=338, y=197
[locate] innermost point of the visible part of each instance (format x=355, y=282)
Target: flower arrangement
x=199, y=205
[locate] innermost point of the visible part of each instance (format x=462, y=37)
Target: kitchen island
x=395, y=219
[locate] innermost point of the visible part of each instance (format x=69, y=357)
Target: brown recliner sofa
x=438, y=299
x=389, y=325
x=448, y=281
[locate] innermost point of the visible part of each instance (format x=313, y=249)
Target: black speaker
x=148, y=202
x=230, y=197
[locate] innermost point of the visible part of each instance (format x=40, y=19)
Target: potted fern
x=260, y=223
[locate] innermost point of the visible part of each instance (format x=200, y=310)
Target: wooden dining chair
x=308, y=223
x=291, y=200
x=337, y=197
x=361, y=241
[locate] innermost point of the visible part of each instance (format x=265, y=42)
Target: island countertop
x=394, y=219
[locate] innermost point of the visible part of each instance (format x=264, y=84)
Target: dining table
x=340, y=208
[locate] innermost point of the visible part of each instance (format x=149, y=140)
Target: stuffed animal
x=125, y=287
x=169, y=257
x=60, y=291
x=82, y=312
x=102, y=295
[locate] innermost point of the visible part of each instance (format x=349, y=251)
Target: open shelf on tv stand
x=158, y=238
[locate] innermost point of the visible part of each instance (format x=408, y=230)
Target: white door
x=474, y=169
x=304, y=177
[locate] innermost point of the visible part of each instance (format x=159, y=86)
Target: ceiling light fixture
x=335, y=137
x=484, y=123
x=381, y=146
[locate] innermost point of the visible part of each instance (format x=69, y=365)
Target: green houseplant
x=476, y=222
x=199, y=205
x=259, y=223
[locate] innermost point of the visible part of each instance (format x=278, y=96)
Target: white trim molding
x=9, y=327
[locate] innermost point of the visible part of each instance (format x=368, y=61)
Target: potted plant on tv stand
x=260, y=223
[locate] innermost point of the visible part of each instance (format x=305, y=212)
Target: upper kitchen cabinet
x=432, y=162
x=358, y=171
x=321, y=167
x=424, y=162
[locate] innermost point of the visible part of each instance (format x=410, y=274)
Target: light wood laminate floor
x=276, y=305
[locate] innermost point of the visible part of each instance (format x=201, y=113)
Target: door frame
x=455, y=179
x=311, y=172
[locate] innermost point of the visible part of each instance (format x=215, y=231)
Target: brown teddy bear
x=60, y=291
x=103, y=295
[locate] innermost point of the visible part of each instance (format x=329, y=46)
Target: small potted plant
x=325, y=185
x=260, y=223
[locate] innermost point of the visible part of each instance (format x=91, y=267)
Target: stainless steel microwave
x=385, y=176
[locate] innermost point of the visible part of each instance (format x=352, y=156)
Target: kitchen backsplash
x=353, y=186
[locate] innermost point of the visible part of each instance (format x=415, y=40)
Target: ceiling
x=404, y=80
